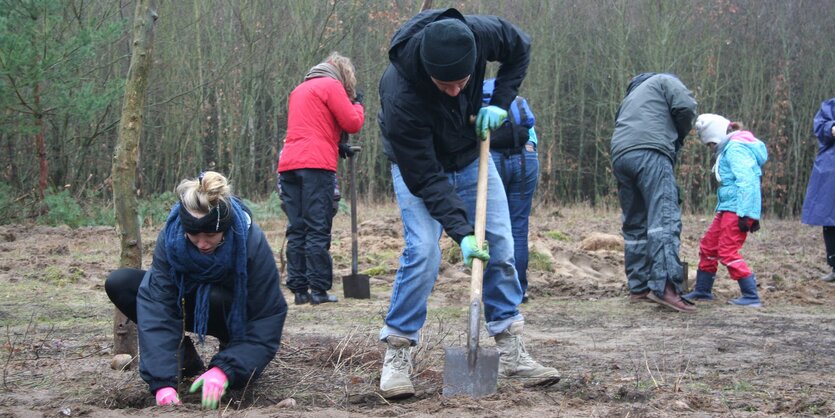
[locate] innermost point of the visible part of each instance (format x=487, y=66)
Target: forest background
x=223, y=69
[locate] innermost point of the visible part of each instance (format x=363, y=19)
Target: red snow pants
x=721, y=244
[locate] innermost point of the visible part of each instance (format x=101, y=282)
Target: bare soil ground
x=617, y=358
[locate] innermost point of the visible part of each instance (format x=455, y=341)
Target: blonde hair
x=347, y=72
x=199, y=196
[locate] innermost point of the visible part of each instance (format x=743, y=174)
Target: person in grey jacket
x=654, y=117
x=213, y=273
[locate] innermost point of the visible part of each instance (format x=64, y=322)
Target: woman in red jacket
x=322, y=109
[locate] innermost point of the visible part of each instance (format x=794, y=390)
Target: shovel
x=356, y=285
x=472, y=370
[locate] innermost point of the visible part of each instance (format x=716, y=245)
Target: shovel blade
x=474, y=378
x=356, y=286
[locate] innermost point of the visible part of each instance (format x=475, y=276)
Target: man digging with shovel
x=428, y=95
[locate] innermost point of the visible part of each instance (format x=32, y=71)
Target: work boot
x=321, y=296
x=704, y=286
x=515, y=362
x=190, y=361
x=672, y=299
x=829, y=277
x=750, y=298
x=639, y=297
x=394, y=380
x=301, y=298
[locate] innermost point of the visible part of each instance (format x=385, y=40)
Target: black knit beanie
x=448, y=50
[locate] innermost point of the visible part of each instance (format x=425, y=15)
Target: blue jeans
x=648, y=197
x=421, y=257
x=520, y=182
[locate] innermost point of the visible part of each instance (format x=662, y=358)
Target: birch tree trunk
x=126, y=159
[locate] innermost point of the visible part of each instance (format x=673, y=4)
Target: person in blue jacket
x=738, y=168
x=513, y=147
x=819, y=204
x=213, y=273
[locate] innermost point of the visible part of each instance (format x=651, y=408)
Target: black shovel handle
x=353, y=174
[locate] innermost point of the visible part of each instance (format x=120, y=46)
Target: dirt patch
x=617, y=358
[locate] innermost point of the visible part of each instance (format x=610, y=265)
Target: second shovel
x=356, y=285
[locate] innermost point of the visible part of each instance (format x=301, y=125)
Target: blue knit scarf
x=193, y=270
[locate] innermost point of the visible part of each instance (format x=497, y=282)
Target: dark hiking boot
x=302, y=298
x=672, y=300
x=750, y=298
x=321, y=296
x=639, y=297
x=190, y=361
x=704, y=286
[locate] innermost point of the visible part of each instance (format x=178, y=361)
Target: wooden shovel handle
x=480, y=219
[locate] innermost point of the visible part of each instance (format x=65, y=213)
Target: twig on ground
x=646, y=362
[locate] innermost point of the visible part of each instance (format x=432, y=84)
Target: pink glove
x=214, y=384
x=167, y=396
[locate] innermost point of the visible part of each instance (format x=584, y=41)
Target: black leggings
x=829, y=242
x=122, y=287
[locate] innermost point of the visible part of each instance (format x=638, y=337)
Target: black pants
x=308, y=198
x=829, y=242
x=122, y=287
x=648, y=197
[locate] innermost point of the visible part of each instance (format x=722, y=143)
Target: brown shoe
x=639, y=297
x=672, y=300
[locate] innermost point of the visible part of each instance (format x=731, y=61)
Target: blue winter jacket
x=819, y=205
x=739, y=160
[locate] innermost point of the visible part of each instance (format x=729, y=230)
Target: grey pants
x=648, y=197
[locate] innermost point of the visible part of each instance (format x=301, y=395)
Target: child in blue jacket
x=738, y=168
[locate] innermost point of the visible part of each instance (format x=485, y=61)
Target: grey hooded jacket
x=656, y=114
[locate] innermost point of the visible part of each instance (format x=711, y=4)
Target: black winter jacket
x=160, y=324
x=428, y=133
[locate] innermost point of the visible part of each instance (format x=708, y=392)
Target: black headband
x=217, y=220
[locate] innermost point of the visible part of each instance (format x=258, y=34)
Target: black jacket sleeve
x=159, y=326
x=244, y=360
x=411, y=139
x=501, y=41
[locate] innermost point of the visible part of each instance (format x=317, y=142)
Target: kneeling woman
x=213, y=273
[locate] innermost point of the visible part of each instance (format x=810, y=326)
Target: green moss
x=56, y=276
x=376, y=271
x=539, y=261
x=557, y=235
x=452, y=255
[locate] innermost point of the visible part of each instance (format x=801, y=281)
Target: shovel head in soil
x=476, y=379
x=471, y=370
x=356, y=286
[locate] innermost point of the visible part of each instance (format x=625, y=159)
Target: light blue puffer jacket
x=738, y=168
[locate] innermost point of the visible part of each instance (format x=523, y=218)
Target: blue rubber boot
x=748, y=286
x=703, y=287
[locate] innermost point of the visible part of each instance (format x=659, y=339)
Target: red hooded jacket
x=319, y=111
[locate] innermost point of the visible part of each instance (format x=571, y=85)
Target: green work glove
x=214, y=383
x=470, y=250
x=489, y=118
